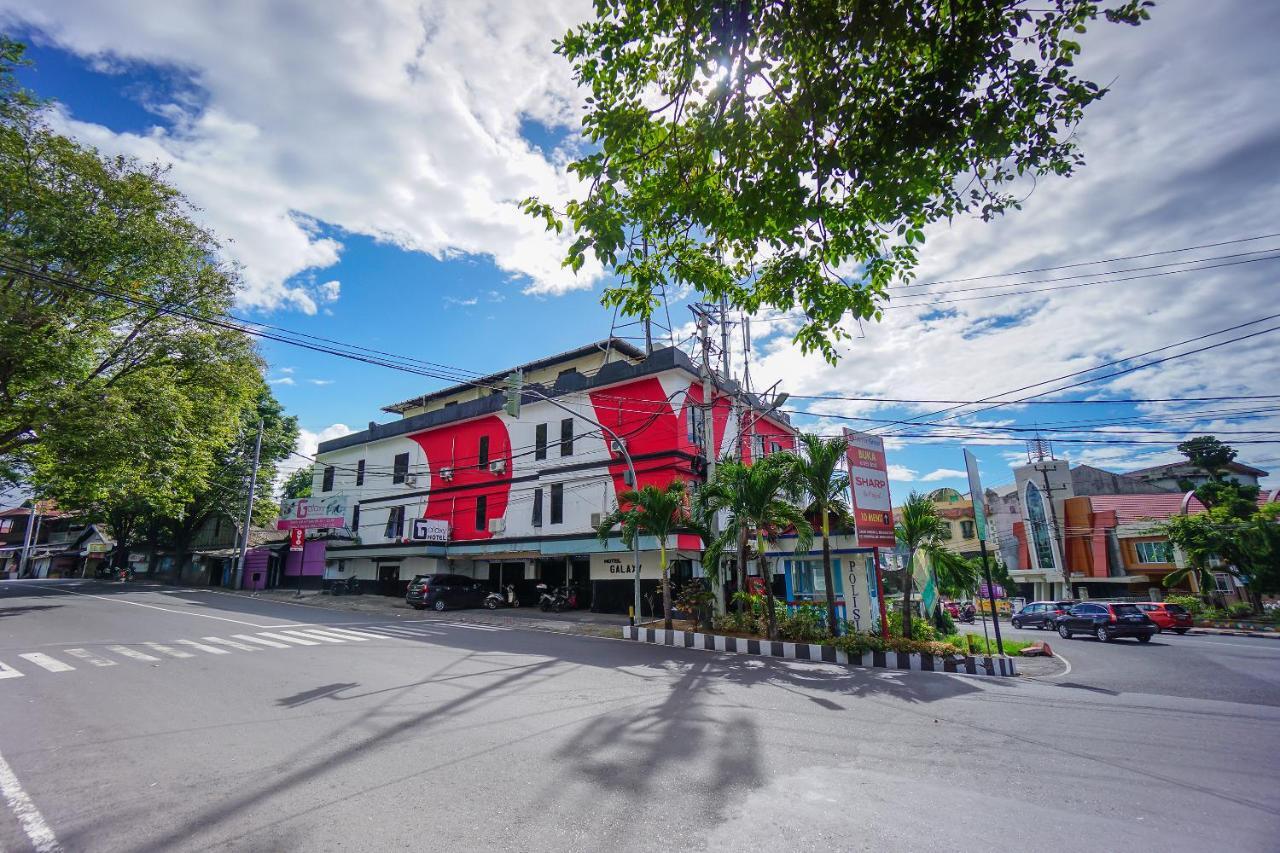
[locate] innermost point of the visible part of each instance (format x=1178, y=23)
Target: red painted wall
x=458, y=447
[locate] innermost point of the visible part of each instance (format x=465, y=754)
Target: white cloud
x=454, y=301
x=385, y=119
x=320, y=381
x=287, y=371
x=941, y=474
x=282, y=380
x=308, y=443
x=330, y=291
x=902, y=473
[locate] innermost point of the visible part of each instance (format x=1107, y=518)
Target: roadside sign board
x=310, y=513
x=297, y=538
x=986, y=592
x=869, y=484
x=975, y=495
x=430, y=530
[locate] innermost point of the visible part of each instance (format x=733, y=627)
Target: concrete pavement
x=455, y=736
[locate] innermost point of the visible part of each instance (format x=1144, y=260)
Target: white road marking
x=132, y=653
x=213, y=650
x=33, y=824
x=476, y=627
x=44, y=661
x=118, y=600
x=269, y=643
x=296, y=640
x=402, y=632
x=314, y=635
x=368, y=635
x=85, y=654
x=166, y=650
x=232, y=643
x=340, y=635
x=7, y=671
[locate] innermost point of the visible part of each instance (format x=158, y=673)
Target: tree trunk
x=768, y=587
x=666, y=587
x=742, y=569
x=908, y=577
x=832, y=627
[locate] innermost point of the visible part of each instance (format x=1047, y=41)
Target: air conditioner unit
x=497, y=525
x=497, y=466
x=446, y=474
x=617, y=445
x=595, y=520
x=410, y=480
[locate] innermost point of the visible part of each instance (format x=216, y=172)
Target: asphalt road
x=430, y=735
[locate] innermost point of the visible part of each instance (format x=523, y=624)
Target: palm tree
x=756, y=499
x=658, y=512
x=921, y=531
x=722, y=492
x=817, y=479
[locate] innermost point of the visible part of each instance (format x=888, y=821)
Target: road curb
x=915, y=662
x=1223, y=632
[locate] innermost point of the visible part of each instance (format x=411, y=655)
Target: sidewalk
x=566, y=622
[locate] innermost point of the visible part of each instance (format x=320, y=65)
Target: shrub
x=694, y=599
x=920, y=628
x=804, y=625
x=1193, y=604
x=944, y=623
x=856, y=644
x=1240, y=610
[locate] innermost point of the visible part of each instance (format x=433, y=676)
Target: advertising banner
x=297, y=538
x=976, y=496
x=310, y=513
x=869, y=483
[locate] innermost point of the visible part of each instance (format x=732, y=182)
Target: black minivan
x=444, y=592
x=1106, y=621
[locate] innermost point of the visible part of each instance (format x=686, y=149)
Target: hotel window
x=944, y=531
x=483, y=456
x=400, y=468
x=540, y=441
x=355, y=520
x=1153, y=552
x=537, y=507
x=566, y=437
x=482, y=508
x=326, y=484
x=360, y=473
x=966, y=530
x=1222, y=581
x=395, y=523
x=697, y=425
x=557, y=503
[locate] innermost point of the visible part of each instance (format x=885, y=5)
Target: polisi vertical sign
x=869, y=482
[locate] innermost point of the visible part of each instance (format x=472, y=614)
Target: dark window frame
x=540, y=441
x=482, y=511
x=326, y=479
x=537, y=508
x=394, y=528
x=360, y=472
x=566, y=437
x=355, y=520
x=400, y=467
x=557, y=503
x=482, y=453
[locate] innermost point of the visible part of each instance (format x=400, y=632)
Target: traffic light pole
x=515, y=390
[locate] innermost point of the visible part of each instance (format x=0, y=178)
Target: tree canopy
x=114, y=385
x=792, y=154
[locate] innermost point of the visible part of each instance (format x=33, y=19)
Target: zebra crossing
x=285, y=637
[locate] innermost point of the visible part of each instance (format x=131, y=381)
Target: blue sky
x=365, y=169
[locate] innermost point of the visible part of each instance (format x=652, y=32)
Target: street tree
x=921, y=532
x=118, y=386
x=298, y=484
x=821, y=486
x=792, y=155
x=757, y=498
x=657, y=512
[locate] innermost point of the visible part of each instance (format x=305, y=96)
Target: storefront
x=853, y=571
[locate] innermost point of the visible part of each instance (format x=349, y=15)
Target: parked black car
x=443, y=592
x=1106, y=622
x=1041, y=614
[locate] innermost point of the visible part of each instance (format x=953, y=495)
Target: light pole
x=514, y=390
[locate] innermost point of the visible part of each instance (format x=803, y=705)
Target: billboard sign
x=869, y=483
x=430, y=530
x=986, y=592
x=310, y=513
x=297, y=538
x=976, y=496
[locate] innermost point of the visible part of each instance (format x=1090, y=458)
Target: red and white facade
x=518, y=498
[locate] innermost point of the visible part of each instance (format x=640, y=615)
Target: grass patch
x=977, y=645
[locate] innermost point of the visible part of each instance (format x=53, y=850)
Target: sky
x=364, y=164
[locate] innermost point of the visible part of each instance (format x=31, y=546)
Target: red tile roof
x=1129, y=508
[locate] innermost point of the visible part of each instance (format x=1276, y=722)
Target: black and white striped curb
x=919, y=662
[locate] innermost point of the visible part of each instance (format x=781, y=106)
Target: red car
x=1169, y=617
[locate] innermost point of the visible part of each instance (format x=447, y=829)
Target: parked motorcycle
x=346, y=586
x=506, y=598
x=967, y=615
x=123, y=575
x=552, y=599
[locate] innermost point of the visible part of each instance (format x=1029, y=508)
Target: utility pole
x=238, y=580
x=724, y=336
x=26, y=538
x=709, y=434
